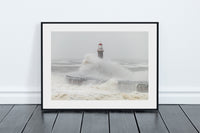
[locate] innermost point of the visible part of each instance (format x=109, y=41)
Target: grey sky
x=117, y=45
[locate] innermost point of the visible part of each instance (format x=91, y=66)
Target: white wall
x=179, y=41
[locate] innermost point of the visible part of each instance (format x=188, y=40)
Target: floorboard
x=95, y=122
x=4, y=109
x=193, y=112
x=68, y=122
x=150, y=122
x=122, y=122
x=169, y=118
x=175, y=119
x=40, y=122
x=16, y=119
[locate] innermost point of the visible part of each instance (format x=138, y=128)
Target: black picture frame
x=157, y=65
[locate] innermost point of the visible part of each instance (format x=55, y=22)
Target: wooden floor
x=169, y=118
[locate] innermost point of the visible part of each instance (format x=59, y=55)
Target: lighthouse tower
x=100, y=50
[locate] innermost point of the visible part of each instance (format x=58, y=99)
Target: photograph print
x=99, y=65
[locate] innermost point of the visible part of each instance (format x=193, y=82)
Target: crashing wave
x=98, y=68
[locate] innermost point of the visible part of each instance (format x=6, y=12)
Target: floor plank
x=68, y=122
x=150, y=122
x=16, y=119
x=122, y=122
x=193, y=112
x=95, y=122
x=30, y=119
x=40, y=122
x=175, y=119
x=4, y=109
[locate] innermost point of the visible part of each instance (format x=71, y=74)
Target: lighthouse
x=100, y=50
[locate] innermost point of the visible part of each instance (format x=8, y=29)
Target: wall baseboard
x=166, y=96
x=20, y=97
x=179, y=98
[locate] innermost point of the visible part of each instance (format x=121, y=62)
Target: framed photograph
x=99, y=65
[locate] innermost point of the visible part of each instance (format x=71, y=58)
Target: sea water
x=109, y=71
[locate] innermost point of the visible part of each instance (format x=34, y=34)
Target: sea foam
x=98, y=68
x=103, y=69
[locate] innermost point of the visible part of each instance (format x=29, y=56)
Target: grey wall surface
x=20, y=36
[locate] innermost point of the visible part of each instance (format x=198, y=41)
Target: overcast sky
x=117, y=45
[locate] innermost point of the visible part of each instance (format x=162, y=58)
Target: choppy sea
x=109, y=71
